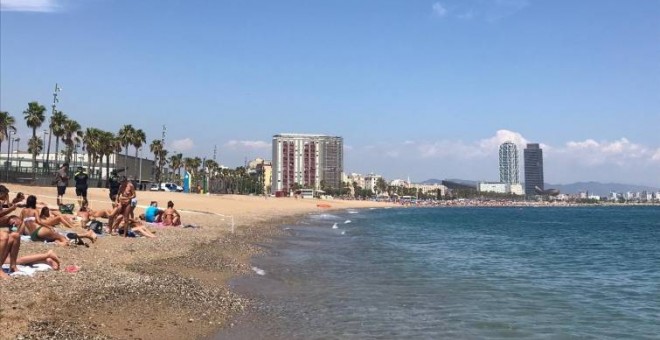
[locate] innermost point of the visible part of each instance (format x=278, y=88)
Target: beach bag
x=96, y=227
x=76, y=240
x=67, y=208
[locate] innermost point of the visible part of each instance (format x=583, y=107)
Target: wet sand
x=171, y=287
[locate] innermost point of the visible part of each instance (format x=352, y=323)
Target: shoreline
x=174, y=286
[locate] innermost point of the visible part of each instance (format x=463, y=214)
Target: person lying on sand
x=49, y=258
x=39, y=230
x=136, y=227
x=85, y=214
x=52, y=220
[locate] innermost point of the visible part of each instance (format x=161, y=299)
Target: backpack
x=67, y=208
x=96, y=226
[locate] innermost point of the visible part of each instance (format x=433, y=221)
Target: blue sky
x=425, y=89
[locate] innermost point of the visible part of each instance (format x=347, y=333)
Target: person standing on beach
x=81, y=178
x=113, y=185
x=62, y=180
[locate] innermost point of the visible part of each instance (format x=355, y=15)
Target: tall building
x=307, y=160
x=509, y=163
x=533, y=169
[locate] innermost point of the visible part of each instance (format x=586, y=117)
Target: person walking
x=62, y=180
x=81, y=178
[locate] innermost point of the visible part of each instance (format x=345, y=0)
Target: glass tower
x=533, y=169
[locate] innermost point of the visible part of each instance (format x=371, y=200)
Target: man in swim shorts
x=62, y=180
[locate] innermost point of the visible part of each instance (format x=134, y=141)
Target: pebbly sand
x=171, y=287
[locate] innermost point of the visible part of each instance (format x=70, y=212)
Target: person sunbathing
x=136, y=227
x=10, y=243
x=49, y=258
x=39, y=230
x=53, y=220
x=86, y=214
x=171, y=217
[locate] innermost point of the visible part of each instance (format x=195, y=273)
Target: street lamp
x=43, y=154
x=140, y=155
x=9, y=146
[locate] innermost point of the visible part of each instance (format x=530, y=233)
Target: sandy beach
x=170, y=287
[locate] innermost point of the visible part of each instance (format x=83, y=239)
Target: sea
x=459, y=273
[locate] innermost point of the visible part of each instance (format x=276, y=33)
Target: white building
x=370, y=182
x=500, y=188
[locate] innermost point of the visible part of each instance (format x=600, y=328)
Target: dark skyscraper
x=533, y=168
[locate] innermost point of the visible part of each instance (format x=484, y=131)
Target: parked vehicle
x=170, y=187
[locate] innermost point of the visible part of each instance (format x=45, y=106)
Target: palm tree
x=72, y=136
x=138, y=139
x=92, y=143
x=125, y=135
x=57, y=121
x=176, y=163
x=34, y=117
x=109, y=145
x=156, y=147
x=35, y=145
x=6, y=125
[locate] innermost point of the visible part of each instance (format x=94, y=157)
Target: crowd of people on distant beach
x=38, y=222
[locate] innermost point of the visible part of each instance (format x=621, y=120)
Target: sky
x=418, y=89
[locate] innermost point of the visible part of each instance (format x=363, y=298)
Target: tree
x=110, y=144
x=139, y=138
x=158, y=149
x=57, y=127
x=35, y=145
x=92, y=144
x=176, y=161
x=381, y=185
x=6, y=125
x=126, y=135
x=72, y=136
x=34, y=117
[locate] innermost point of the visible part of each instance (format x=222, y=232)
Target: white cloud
x=29, y=5
x=185, y=144
x=248, y=144
x=439, y=9
x=619, y=160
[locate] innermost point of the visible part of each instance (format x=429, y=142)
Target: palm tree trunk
x=107, y=170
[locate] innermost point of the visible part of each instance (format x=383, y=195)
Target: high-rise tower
x=307, y=160
x=533, y=169
x=509, y=163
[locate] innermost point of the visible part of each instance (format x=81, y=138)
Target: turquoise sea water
x=463, y=273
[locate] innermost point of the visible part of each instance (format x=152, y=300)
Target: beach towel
x=27, y=270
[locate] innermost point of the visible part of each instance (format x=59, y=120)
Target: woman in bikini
x=126, y=202
x=10, y=240
x=33, y=225
x=171, y=217
x=52, y=221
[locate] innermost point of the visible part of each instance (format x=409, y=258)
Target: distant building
x=516, y=189
x=509, y=163
x=307, y=160
x=370, y=182
x=533, y=155
x=500, y=188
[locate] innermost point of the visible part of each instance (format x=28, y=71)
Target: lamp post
x=9, y=146
x=50, y=136
x=43, y=154
x=140, y=155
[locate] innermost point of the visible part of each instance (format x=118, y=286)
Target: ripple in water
x=467, y=273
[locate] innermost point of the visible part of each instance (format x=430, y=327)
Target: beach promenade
x=170, y=287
